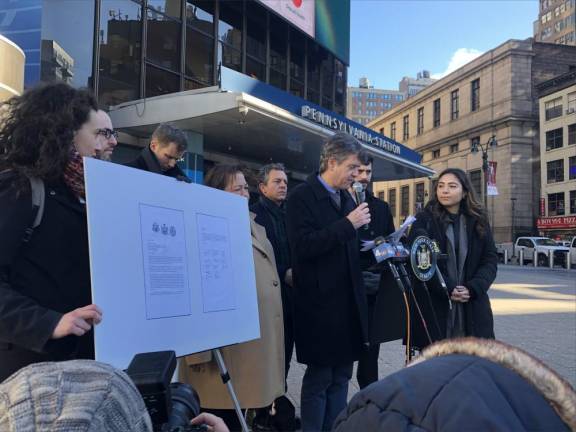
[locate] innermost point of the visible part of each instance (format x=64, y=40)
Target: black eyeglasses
x=107, y=133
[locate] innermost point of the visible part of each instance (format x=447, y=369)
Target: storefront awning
x=243, y=126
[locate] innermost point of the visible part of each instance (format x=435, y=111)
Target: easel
x=228, y=383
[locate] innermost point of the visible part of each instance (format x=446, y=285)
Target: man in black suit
x=382, y=224
x=330, y=311
x=166, y=148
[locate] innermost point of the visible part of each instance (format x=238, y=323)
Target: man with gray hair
x=330, y=311
x=270, y=213
x=167, y=147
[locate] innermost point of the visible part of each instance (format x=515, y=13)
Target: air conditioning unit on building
x=570, y=110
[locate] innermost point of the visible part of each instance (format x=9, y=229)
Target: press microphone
x=360, y=196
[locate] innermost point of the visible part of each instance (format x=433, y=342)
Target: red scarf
x=74, y=174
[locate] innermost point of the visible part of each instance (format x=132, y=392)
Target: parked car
x=542, y=246
x=565, y=243
x=573, y=252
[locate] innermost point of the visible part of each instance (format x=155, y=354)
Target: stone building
x=558, y=156
x=492, y=96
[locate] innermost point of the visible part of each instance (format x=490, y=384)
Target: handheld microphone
x=359, y=195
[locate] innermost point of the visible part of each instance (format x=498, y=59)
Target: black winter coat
x=147, y=161
x=42, y=279
x=450, y=393
x=479, y=273
x=330, y=310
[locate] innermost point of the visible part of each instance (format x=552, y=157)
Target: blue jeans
x=323, y=396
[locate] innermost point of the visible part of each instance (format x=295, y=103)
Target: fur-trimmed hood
x=465, y=384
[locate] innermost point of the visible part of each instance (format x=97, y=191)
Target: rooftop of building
x=557, y=83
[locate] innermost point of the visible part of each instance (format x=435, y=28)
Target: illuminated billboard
x=327, y=21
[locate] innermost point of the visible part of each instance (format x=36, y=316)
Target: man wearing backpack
x=46, y=312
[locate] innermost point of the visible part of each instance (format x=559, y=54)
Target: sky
x=390, y=39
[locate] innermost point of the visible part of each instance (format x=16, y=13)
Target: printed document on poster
x=165, y=262
x=215, y=263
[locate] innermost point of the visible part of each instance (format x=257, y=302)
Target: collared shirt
x=334, y=193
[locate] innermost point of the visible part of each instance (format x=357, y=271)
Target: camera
x=171, y=406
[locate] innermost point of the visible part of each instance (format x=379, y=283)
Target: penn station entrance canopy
x=245, y=120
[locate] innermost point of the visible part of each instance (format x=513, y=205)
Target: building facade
x=557, y=106
x=556, y=22
x=410, y=86
x=11, y=69
x=364, y=103
x=492, y=96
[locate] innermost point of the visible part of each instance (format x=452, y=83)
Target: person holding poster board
x=257, y=367
x=45, y=305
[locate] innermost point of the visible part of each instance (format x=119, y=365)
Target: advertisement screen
x=298, y=12
x=327, y=21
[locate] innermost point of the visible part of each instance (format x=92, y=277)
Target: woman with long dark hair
x=456, y=220
x=45, y=304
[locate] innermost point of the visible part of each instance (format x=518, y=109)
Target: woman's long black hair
x=37, y=129
x=469, y=206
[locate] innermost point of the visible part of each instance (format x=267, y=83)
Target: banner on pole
x=491, y=180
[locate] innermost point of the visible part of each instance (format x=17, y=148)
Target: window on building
x=163, y=40
x=573, y=202
x=418, y=197
x=160, y=81
x=200, y=42
x=381, y=196
x=297, y=51
x=556, y=204
x=120, y=52
x=571, y=105
x=476, y=181
x=256, y=41
x=555, y=171
x=393, y=130
x=437, y=113
x=392, y=201
x=454, y=104
x=554, y=139
x=420, y=124
x=453, y=148
x=475, y=95
x=327, y=72
x=405, y=127
x=404, y=200
x=572, y=168
x=572, y=134
x=435, y=154
x=230, y=34
x=314, y=61
x=553, y=108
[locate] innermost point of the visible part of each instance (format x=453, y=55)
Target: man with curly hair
x=46, y=312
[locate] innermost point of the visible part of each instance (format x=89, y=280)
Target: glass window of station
x=145, y=48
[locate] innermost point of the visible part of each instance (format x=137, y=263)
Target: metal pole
x=513, y=219
x=521, y=259
x=485, y=172
x=226, y=380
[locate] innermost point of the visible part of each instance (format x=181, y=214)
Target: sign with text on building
x=333, y=122
x=559, y=222
x=301, y=13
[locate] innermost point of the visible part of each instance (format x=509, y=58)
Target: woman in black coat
x=455, y=218
x=45, y=306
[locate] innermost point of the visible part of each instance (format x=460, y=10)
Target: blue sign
x=235, y=81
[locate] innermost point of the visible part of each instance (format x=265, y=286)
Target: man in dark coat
x=166, y=148
x=465, y=384
x=271, y=214
x=45, y=304
x=330, y=305
x=382, y=224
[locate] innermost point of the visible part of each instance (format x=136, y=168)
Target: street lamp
x=476, y=145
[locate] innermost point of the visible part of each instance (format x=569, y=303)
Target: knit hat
x=72, y=396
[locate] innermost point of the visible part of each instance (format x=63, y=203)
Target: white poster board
x=171, y=264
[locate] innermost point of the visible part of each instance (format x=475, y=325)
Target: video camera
x=171, y=406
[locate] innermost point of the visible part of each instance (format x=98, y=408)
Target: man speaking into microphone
x=330, y=312
x=382, y=224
